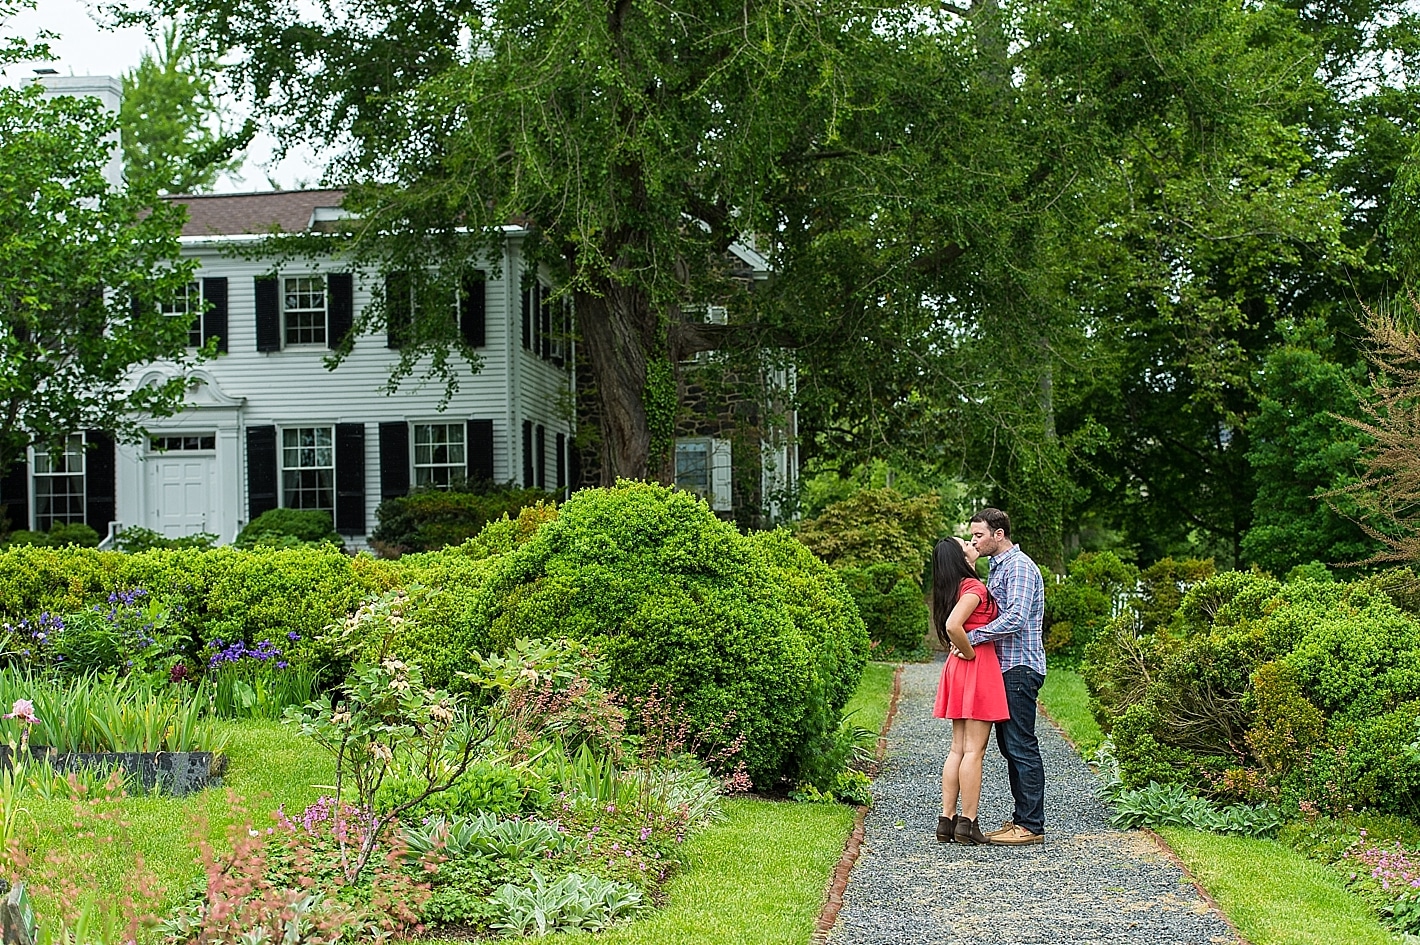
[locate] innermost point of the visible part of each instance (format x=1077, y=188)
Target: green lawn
x=1274, y=894
x=1068, y=702
x=868, y=708
x=757, y=877
x=270, y=765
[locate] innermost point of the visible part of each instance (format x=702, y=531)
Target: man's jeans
x=1016, y=739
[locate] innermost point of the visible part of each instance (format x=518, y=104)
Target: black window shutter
x=261, y=471
x=214, y=320
x=340, y=315
x=100, y=481
x=480, y=450
x=15, y=495
x=527, y=319
x=350, y=478
x=574, y=468
x=394, y=460
x=540, y=457
x=544, y=329
x=268, y=322
x=561, y=477
x=399, y=312
x=527, y=454
x=473, y=309
x=562, y=329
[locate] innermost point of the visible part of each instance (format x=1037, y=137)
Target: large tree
x=84, y=269
x=636, y=141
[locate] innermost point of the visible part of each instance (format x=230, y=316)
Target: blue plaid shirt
x=1019, y=632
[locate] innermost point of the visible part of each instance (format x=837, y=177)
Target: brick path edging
x=828, y=915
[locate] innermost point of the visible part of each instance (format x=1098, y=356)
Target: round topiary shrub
x=678, y=602
x=288, y=528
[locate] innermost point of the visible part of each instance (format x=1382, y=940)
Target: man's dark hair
x=994, y=519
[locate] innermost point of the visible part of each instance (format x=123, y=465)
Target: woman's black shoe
x=946, y=828
x=969, y=832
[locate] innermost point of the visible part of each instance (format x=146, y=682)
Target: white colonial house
x=267, y=425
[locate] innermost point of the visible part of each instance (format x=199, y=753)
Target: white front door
x=182, y=494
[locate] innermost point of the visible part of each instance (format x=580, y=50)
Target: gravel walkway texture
x=1088, y=883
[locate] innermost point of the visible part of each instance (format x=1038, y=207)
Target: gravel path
x=1088, y=883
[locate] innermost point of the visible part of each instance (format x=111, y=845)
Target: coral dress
x=974, y=689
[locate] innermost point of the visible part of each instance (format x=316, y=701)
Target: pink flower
x=24, y=711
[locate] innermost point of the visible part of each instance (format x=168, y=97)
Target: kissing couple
x=994, y=670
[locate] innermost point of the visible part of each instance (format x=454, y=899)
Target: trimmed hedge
x=755, y=636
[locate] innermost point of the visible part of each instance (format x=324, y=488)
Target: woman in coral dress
x=972, y=692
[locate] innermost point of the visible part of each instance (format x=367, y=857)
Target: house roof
x=289, y=211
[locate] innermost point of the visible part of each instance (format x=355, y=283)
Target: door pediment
x=202, y=389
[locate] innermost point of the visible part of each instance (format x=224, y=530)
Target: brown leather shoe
x=968, y=832
x=1015, y=837
x=1007, y=827
x=946, y=828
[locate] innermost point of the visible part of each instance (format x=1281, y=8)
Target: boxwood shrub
x=678, y=601
x=437, y=518
x=1264, y=691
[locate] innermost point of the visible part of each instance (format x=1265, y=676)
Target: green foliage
x=1077, y=608
x=90, y=251
x=1306, y=691
x=1301, y=450
x=1160, y=805
x=570, y=903
x=135, y=539
x=484, y=788
x=876, y=526
x=288, y=528
x=60, y=536
x=679, y=602
x=881, y=544
x=1162, y=586
x=109, y=714
x=436, y=518
x=169, y=111
x=894, y=608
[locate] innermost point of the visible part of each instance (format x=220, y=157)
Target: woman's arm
x=956, y=623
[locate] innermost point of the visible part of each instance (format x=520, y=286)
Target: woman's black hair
x=949, y=569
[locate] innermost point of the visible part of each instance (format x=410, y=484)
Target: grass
x=1274, y=894
x=757, y=877
x=270, y=765
x=1068, y=701
x=868, y=706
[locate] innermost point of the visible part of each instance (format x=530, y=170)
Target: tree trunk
x=617, y=331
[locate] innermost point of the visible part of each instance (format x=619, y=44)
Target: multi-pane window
x=308, y=468
x=183, y=443
x=692, y=466
x=59, y=484
x=439, y=454
x=187, y=303
x=304, y=305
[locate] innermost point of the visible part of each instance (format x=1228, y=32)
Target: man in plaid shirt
x=1019, y=634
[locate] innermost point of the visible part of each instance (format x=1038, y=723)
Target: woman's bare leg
x=951, y=786
x=974, y=740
